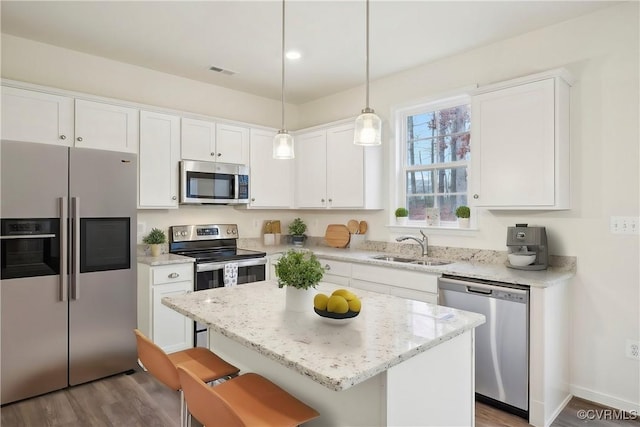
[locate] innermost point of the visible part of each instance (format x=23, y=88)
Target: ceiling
x=185, y=38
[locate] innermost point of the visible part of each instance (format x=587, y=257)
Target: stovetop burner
x=222, y=255
x=209, y=243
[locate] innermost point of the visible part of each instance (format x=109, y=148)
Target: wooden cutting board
x=352, y=225
x=337, y=235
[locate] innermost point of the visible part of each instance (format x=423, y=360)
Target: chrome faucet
x=424, y=243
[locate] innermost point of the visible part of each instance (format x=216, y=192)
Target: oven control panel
x=188, y=233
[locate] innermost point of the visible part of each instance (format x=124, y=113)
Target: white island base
x=432, y=388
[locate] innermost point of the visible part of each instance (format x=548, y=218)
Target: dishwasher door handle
x=479, y=291
x=469, y=286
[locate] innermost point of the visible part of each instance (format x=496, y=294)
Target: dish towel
x=231, y=274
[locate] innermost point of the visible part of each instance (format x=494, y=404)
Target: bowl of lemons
x=338, y=307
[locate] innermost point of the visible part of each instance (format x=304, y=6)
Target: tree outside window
x=437, y=144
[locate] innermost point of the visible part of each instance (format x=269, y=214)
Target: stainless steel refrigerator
x=68, y=289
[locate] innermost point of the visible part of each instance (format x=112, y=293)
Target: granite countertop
x=164, y=259
x=479, y=264
x=479, y=270
x=388, y=331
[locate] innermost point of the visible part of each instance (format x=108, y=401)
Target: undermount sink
x=428, y=262
x=432, y=262
x=392, y=258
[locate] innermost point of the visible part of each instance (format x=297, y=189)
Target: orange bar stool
x=202, y=362
x=247, y=400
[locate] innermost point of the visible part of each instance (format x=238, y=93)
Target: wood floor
x=139, y=400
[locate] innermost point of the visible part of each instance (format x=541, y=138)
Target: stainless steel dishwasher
x=501, y=344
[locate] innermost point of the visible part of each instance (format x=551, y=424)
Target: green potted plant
x=299, y=271
x=155, y=239
x=402, y=215
x=463, y=213
x=296, y=230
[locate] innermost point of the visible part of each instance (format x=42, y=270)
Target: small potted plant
x=402, y=215
x=299, y=271
x=296, y=230
x=155, y=239
x=463, y=213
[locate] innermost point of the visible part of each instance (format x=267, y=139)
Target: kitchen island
x=400, y=362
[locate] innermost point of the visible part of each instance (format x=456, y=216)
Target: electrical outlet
x=624, y=225
x=632, y=350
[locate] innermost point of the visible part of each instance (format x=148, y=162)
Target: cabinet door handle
x=219, y=154
x=327, y=267
x=253, y=199
x=330, y=200
x=322, y=200
x=174, y=198
x=173, y=275
x=475, y=196
x=213, y=154
x=63, y=137
x=79, y=139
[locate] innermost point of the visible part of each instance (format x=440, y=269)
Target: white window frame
x=397, y=188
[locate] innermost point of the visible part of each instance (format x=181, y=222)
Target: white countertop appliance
x=528, y=249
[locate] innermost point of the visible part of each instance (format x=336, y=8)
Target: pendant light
x=283, y=141
x=368, y=128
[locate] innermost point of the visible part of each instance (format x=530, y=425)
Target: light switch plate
x=624, y=224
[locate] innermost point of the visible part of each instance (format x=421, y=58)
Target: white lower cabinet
x=169, y=329
x=336, y=272
x=271, y=270
x=417, y=285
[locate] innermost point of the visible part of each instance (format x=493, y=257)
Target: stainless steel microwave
x=213, y=183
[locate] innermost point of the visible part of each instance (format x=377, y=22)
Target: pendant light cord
x=282, y=94
x=367, y=54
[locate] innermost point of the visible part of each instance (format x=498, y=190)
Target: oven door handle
x=213, y=266
x=27, y=236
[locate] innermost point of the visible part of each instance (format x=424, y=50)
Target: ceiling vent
x=222, y=70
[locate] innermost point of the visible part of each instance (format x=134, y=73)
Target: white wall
x=601, y=50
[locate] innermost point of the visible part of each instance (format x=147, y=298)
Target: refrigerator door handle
x=75, y=276
x=64, y=244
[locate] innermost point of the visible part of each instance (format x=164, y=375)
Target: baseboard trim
x=559, y=409
x=605, y=399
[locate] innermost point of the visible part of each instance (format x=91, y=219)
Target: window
x=435, y=142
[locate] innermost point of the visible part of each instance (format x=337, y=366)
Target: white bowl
x=520, y=259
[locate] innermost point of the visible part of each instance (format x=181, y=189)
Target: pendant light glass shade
x=283, y=141
x=283, y=145
x=368, y=126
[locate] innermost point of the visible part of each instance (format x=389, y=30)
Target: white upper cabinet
x=214, y=142
x=520, y=144
x=32, y=116
x=198, y=140
x=106, y=126
x=271, y=180
x=158, y=160
x=232, y=144
x=345, y=168
x=311, y=169
x=332, y=172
